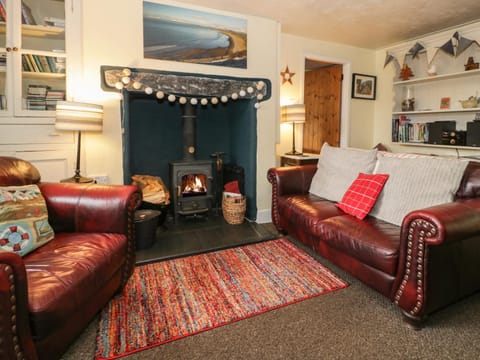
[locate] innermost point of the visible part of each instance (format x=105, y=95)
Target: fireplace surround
x=226, y=121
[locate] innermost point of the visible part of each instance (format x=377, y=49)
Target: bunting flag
x=464, y=44
x=454, y=47
x=388, y=59
x=416, y=49
x=431, y=52
x=450, y=45
x=457, y=44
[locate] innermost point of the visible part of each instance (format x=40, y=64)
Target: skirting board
x=264, y=216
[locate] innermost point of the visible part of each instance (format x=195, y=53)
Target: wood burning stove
x=190, y=179
x=191, y=187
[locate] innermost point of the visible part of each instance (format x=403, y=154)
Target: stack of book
x=52, y=21
x=52, y=97
x=37, y=97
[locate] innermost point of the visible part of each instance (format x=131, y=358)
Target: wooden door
x=322, y=97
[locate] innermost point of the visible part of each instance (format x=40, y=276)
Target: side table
x=296, y=160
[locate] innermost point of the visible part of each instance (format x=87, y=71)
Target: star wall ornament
x=287, y=76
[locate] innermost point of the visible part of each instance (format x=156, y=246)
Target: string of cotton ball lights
x=255, y=90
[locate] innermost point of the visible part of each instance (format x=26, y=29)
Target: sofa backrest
x=470, y=185
x=17, y=172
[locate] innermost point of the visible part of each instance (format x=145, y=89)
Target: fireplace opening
x=194, y=185
x=153, y=104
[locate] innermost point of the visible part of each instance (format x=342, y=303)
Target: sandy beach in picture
x=179, y=34
x=237, y=49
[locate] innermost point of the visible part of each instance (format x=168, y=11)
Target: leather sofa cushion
x=371, y=241
x=66, y=273
x=307, y=211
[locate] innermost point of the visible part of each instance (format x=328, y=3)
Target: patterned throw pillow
x=361, y=196
x=23, y=219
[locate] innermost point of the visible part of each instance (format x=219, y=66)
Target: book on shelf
x=3, y=12
x=405, y=131
x=52, y=97
x=42, y=63
x=53, y=21
x=27, y=17
x=3, y=102
x=37, y=97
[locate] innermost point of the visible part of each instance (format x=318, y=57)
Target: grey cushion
x=414, y=184
x=338, y=168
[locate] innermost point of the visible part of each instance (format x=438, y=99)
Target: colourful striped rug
x=168, y=300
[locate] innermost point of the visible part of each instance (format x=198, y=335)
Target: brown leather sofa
x=50, y=295
x=428, y=262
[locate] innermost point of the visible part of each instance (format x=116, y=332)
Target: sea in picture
x=179, y=34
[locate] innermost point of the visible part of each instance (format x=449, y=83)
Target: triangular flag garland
x=456, y=45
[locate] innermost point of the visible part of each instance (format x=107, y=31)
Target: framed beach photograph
x=364, y=86
x=179, y=34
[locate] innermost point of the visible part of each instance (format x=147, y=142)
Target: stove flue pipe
x=188, y=132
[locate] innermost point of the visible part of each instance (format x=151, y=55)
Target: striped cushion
x=362, y=194
x=415, y=184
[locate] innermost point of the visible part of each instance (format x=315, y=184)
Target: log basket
x=233, y=208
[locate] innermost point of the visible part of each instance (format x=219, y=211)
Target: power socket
x=100, y=179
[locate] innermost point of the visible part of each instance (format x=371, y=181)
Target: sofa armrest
x=437, y=257
x=291, y=179
x=90, y=207
x=288, y=180
x=95, y=208
x=16, y=340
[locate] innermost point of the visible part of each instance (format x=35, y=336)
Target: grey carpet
x=353, y=323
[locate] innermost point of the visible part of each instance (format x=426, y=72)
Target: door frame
x=345, y=105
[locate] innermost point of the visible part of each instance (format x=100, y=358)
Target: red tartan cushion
x=361, y=196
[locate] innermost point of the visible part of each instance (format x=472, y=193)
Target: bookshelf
x=33, y=41
x=28, y=96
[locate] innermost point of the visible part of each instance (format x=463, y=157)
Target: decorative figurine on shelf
x=471, y=65
x=406, y=72
x=432, y=70
x=408, y=103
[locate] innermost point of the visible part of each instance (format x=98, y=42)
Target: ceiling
x=371, y=24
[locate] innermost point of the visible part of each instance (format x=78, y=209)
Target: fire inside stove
x=194, y=185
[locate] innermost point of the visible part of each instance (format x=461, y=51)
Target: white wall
x=113, y=35
x=294, y=49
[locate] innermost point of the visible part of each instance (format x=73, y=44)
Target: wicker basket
x=233, y=209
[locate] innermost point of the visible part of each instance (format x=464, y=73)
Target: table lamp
x=77, y=116
x=294, y=114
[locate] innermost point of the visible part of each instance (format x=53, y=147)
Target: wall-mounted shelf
x=438, y=111
x=438, y=77
x=437, y=146
x=37, y=30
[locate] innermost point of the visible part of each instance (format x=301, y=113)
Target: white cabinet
x=34, y=71
x=33, y=50
x=437, y=97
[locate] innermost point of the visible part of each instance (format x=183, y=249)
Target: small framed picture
x=364, y=86
x=445, y=103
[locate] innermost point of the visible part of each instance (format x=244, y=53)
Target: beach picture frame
x=176, y=33
x=364, y=86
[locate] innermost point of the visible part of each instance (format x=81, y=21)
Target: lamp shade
x=293, y=113
x=77, y=116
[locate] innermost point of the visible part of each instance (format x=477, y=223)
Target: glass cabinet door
x=3, y=56
x=42, y=55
